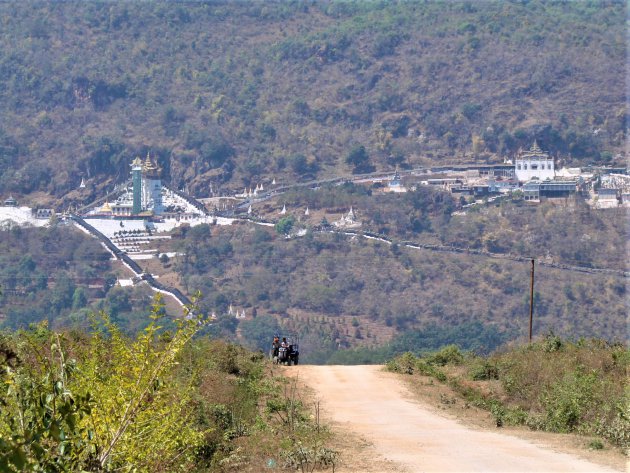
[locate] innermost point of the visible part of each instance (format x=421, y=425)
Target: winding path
x=409, y=437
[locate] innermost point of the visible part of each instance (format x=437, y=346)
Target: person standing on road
x=275, y=347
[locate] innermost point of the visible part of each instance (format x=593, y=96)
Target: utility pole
x=531, y=303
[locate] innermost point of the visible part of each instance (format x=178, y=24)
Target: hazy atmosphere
x=198, y=198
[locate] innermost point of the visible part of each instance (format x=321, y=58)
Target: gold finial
x=148, y=163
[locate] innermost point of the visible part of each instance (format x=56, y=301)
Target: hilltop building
x=534, y=164
x=534, y=190
x=145, y=195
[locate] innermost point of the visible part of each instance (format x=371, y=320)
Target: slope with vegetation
x=567, y=231
x=161, y=401
x=232, y=92
x=59, y=274
x=553, y=385
x=345, y=291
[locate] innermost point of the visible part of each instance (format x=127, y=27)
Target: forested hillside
x=342, y=291
x=60, y=275
x=231, y=92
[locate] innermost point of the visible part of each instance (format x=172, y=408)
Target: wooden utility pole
x=531, y=303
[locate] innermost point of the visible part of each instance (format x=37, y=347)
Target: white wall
x=528, y=168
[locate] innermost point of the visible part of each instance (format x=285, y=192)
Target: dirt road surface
x=374, y=411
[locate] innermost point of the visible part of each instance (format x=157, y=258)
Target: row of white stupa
x=231, y=312
x=347, y=220
x=251, y=193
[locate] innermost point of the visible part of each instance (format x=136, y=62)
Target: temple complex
x=146, y=197
x=348, y=220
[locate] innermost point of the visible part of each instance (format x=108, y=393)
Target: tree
x=285, y=225
x=117, y=301
x=79, y=299
x=359, y=159
x=259, y=332
x=109, y=408
x=299, y=164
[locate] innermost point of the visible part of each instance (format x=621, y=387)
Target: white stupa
x=284, y=210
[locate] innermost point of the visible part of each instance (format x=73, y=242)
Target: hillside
x=347, y=291
x=60, y=275
x=229, y=93
x=342, y=291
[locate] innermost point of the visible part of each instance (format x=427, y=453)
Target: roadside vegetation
x=164, y=400
x=553, y=385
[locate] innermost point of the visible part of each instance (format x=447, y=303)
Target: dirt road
x=374, y=408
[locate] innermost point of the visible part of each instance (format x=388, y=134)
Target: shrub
x=405, y=363
x=484, y=370
x=450, y=354
x=567, y=402
x=551, y=343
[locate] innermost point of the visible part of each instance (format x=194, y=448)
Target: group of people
x=285, y=352
x=279, y=348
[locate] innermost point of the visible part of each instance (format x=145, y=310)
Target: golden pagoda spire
x=535, y=146
x=148, y=164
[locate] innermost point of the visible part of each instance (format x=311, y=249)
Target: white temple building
x=534, y=164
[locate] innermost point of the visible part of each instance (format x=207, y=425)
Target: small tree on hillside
x=359, y=159
x=285, y=225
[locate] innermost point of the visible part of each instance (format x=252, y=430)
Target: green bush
x=405, y=363
x=484, y=370
x=450, y=354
